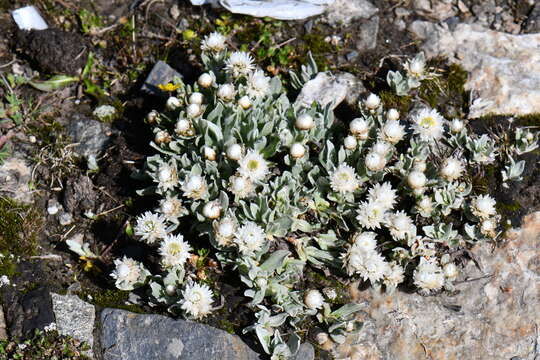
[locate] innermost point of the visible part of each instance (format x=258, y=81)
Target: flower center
x=253, y=165
x=428, y=121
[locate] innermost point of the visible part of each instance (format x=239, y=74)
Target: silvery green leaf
x=54, y=83
x=346, y=310
x=275, y=261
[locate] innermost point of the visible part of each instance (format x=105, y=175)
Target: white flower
x=428, y=275
x=425, y=206
x=450, y=271
x=395, y=274
x=258, y=85
x=452, y=169
x=173, y=103
x=128, y=274
x=170, y=290
x=249, y=238
x=456, y=126
x=488, y=227
x=253, y=166
x=152, y=116
x=304, y=122
x=150, y=227
x=209, y=153
x=415, y=67
x=382, y=148
x=383, y=194
x=350, y=142
x=224, y=230
x=428, y=124
x=234, y=152
x=197, y=301
x=193, y=110
x=401, y=226
x=359, y=127
x=416, y=180
x=419, y=165
x=392, y=115
x=240, y=186
x=344, y=179
x=372, y=102
x=297, y=150
x=174, y=251
x=483, y=206
x=365, y=241
x=226, y=92
x=167, y=177
x=313, y=299
x=371, y=214
x=4, y=281
x=244, y=102
x=239, y=63
x=212, y=210
x=205, y=80
x=194, y=187
x=105, y=112
x=171, y=207
x=393, y=132
x=375, y=161
x=196, y=98
x=213, y=42
x=369, y=265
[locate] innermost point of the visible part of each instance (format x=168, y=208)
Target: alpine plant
x=278, y=188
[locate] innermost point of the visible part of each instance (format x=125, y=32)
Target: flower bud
x=196, y=98
x=193, y=110
x=205, y=80
x=452, y=169
x=375, y=161
x=297, y=150
x=238, y=184
x=234, y=152
x=209, y=153
x=456, y=126
x=162, y=137
x=358, y=127
x=173, y=103
x=165, y=174
x=382, y=148
x=321, y=338
x=261, y=282
x=313, y=299
x=393, y=132
x=244, y=102
x=372, y=102
x=170, y=290
x=392, y=115
x=350, y=142
x=152, y=116
x=304, y=122
x=182, y=126
x=212, y=210
x=450, y=271
x=529, y=136
x=420, y=165
x=416, y=179
x=226, y=92
x=226, y=229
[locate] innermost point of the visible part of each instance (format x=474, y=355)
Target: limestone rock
x=493, y=314
x=129, y=336
x=325, y=89
x=504, y=69
x=367, y=34
x=436, y=9
x=74, y=318
x=345, y=11
x=277, y=9
x=15, y=178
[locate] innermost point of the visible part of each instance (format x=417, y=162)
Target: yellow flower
x=168, y=87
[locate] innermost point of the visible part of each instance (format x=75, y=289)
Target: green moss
x=391, y=100
x=319, y=48
x=228, y=326
x=318, y=280
x=110, y=298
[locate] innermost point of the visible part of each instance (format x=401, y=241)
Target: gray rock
x=74, y=318
x=15, y=177
x=306, y=352
x=504, y=69
x=345, y=11
x=79, y=195
x=435, y=9
x=161, y=73
x=367, y=34
x=325, y=89
x=129, y=336
x=492, y=315
x=90, y=135
x=533, y=21
x=277, y=9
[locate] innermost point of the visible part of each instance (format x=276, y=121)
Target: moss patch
x=110, y=298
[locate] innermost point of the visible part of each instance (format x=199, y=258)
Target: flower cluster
x=278, y=188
